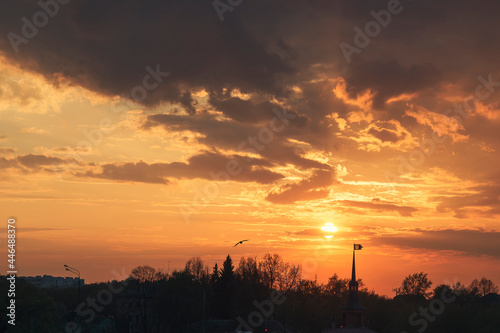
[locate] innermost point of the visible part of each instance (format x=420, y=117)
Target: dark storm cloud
x=378, y=205
x=261, y=46
x=205, y=166
x=428, y=46
x=472, y=242
x=240, y=137
x=388, y=79
x=105, y=47
x=246, y=111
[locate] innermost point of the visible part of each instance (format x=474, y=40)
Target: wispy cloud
x=378, y=205
x=33, y=130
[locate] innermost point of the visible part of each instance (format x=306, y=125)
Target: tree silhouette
x=248, y=270
x=227, y=273
x=215, y=275
x=270, y=269
x=482, y=287
x=225, y=287
x=145, y=276
x=442, y=289
x=416, y=284
x=196, y=267
x=289, y=276
x=175, y=303
x=336, y=286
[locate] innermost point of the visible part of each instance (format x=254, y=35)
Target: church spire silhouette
x=353, y=278
x=353, y=312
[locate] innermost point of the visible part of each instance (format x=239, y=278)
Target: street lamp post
x=77, y=272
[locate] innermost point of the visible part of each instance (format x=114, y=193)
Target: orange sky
x=398, y=150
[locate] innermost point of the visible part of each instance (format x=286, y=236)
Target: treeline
x=152, y=301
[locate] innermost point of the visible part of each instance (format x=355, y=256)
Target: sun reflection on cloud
x=364, y=101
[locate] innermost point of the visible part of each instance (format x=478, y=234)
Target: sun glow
x=329, y=229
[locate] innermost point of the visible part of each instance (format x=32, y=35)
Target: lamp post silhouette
x=77, y=272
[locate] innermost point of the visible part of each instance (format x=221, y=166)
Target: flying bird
x=241, y=242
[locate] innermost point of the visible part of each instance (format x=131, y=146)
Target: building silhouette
x=49, y=281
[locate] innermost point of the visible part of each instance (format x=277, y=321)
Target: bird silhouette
x=241, y=242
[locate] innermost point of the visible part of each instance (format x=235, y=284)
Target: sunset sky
x=148, y=132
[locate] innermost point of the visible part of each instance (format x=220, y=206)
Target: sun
x=329, y=229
